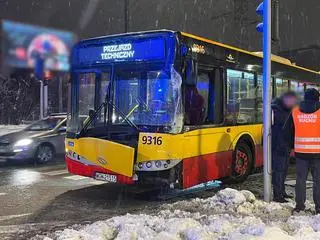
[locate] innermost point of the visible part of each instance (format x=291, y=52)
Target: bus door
x=204, y=97
x=210, y=140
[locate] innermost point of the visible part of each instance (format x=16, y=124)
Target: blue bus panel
x=147, y=49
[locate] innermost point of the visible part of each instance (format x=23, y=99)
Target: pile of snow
x=5, y=129
x=230, y=214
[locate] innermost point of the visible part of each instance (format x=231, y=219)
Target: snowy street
x=160, y=120
x=230, y=214
x=44, y=200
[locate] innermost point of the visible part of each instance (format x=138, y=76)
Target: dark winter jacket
x=282, y=133
x=305, y=107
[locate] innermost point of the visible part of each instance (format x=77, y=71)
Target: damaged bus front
x=126, y=108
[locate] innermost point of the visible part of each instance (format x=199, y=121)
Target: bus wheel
x=242, y=162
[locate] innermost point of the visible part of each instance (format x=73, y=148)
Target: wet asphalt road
x=34, y=199
x=38, y=199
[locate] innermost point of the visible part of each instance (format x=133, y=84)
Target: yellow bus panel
x=194, y=143
x=113, y=156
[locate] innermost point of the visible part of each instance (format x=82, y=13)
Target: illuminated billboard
x=23, y=43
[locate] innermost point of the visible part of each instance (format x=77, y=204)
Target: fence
x=20, y=98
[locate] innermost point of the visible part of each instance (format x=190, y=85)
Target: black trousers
x=302, y=169
x=280, y=164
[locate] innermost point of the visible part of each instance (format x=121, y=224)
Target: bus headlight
x=149, y=164
x=156, y=165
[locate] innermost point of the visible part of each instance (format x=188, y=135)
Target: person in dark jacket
x=281, y=143
x=306, y=137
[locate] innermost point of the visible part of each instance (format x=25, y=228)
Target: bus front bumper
x=96, y=172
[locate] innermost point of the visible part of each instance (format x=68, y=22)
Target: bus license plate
x=105, y=177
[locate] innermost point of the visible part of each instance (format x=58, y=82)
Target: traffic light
x=259, y=11
x=274, y=19
x=259, y=27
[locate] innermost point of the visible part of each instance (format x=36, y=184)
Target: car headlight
x=23, y=142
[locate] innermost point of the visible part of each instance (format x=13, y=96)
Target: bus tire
x=242, y=162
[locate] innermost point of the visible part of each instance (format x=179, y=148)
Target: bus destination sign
x=120, y=51
x=147, y=49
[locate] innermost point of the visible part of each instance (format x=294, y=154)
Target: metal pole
x=60, y=82
x=45, y=100
x=267, y=170
x=41, y=99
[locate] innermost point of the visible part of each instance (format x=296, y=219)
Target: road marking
x=10, y=229
x=3, y=193
x=75, y=177
x=57, y=172
x=97, y=182
x=2, y=218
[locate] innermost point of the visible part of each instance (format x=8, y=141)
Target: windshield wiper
x=98, y=110
x=123, y=115
x=90, y=120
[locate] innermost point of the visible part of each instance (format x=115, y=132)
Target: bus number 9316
x=150, y=140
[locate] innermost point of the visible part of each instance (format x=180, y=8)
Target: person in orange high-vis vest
x=306, y=119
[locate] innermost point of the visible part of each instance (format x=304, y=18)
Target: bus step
x=172, y=193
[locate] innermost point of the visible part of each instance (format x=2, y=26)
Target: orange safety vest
x=307, y=131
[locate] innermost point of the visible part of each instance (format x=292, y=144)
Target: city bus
x=169, y=108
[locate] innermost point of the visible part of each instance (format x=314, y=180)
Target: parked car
x=40, y=141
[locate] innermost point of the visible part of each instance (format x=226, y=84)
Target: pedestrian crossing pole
x=39, y=71
x=264, y=9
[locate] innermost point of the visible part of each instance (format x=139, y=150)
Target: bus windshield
x=147, y=98
x=150, y=99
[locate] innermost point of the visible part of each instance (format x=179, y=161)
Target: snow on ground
x=230, y=214
x=4, y=129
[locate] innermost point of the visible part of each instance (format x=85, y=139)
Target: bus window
x=241, y=97
x=259, y=101
x=147, y=98
x=298, y=88
x=196, y=99
x=126, y=92
x=86, y=92
x=282, y=86
x=312, y=86
x=204, y=98
x=203, y=89
x=259, y=86
x=294, y=85
x=105, y=80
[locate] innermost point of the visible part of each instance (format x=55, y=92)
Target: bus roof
x=126, y=35
x=255, y=54
x=274, y=58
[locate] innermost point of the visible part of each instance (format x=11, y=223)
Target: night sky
x=229, y=21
